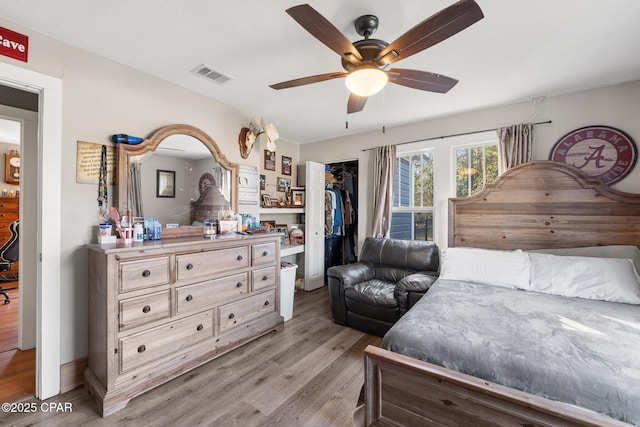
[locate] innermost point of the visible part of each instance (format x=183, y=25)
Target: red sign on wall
x=14, y=45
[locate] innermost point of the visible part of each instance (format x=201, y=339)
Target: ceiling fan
x=367, y=61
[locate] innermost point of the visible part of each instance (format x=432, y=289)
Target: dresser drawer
x=206, y=294
x=144, y=309
x=144, y=273
x=10, y=204
x=263, y=278
x=201, y=264
x=247, y=309
x=138, y=349
x=263, y=254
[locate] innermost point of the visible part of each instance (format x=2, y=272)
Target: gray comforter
x=577, y=351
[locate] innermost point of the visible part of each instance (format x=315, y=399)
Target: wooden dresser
x=9, y=212
x=158, y=309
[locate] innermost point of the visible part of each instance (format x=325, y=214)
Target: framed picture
x=284, y=184
x=12, y=167
x=296, y=234
x=263, y=182
x=269, y=160
x=165, y=183
x=286, y=165
x=282, y=228
x=297, y=197
x=266, y=201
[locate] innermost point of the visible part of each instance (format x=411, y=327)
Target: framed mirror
x=203, y=180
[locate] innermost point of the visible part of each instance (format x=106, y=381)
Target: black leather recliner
x=372, y=294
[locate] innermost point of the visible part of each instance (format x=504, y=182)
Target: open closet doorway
x=18, y=309
x=341, y=213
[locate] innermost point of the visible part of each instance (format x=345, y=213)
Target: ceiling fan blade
x=308, y=80
x=433, y=30
x=356, y=103
x=325, y=31
x=422, y=80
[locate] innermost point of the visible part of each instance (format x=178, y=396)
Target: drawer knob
x=146, y=273
x=189, y=297
x=231, y=316
x=146, y=309
x=265, y=253
x=142, y=348
x=199, y=327
x=239, y=257
x=239, y=285
x=189, y=266
x=266, y=303
x=265, y=277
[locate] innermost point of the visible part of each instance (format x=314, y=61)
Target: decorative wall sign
x=206, y=181
x=599, y=151
x=88, y=156
x=14, y=45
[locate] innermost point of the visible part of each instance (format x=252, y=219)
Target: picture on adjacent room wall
x=286, y=165
x=284, y=184
x=165, y=183
x=263, y=182
x=269, y=160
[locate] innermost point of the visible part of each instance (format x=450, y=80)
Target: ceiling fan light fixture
x=366, y=81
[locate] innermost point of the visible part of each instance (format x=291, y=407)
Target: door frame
x=49, y=170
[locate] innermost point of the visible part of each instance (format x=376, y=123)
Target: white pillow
x=606, y=279
x=508, y=269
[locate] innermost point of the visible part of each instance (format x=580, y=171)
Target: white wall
x=615, y=106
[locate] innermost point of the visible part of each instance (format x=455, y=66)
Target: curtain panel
x=383, y=179
x=135, y=189
x=515, y=145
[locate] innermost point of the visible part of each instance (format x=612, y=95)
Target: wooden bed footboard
x=402, y=391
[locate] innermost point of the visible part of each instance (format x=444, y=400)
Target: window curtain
x=221, y=180
x=515, y=144
x=135, y=189
x=383, y=177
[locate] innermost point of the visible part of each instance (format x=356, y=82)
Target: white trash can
x=287, y=287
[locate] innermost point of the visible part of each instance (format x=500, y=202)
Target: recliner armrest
x=416, y=282
x=351, y=274
x=340, y=277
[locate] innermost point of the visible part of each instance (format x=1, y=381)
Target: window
x=412, y=214
x=475, y=165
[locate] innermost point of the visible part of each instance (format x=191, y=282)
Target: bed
x=463, y=355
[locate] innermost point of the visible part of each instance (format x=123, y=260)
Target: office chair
x=8, y=255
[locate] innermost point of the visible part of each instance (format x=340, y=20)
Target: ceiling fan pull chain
x=383, y=110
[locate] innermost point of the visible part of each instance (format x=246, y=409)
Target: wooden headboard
x=544, y=204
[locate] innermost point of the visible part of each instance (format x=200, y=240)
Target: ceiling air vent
x=211, y=74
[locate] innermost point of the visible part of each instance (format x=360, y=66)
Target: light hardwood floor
x=310, y=374
x=17, y=368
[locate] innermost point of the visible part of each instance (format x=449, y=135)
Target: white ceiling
x=521, y=50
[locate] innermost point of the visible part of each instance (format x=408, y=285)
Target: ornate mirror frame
x=126, y=151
